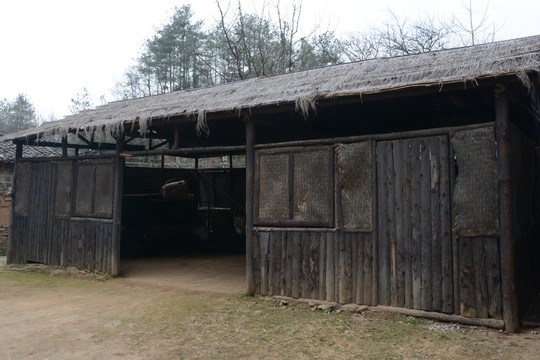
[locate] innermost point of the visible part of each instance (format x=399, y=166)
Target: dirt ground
x=182, y=308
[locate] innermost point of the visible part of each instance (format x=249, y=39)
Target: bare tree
x=405, y=37
x=475, y=30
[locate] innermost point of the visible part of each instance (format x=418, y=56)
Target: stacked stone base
x=5, y=210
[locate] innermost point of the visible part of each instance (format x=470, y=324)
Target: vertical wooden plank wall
x=414, y=240
x=410, y=258
x=320, y=264
x=40, y=236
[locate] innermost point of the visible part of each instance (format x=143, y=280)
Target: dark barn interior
x=172, y=212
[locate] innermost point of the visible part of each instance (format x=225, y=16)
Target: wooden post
x=117, y=210
x=11, y=245
x=506, y=239
x=64, y=146
x=250, y=169
x=374, y=225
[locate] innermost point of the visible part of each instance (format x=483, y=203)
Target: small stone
x=325, y=307
x=354, y=308
x=283, y=303
x=114, y=323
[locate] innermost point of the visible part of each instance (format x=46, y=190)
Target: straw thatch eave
x=518, y=58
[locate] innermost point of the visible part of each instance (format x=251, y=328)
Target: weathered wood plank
x=283, y=263
x=425, y=204
x=322, y=266
x=276, y=261
x=342, y=273
x=398, y=249
x=480, y=277
x=330, y=272
x=384, y=272
x=355, y=274
x=436, y=255
x=406, y=159
x=347, y=238
x=370, y=267
x=263, y=261
x=493, y=269
x=447, y=300
x=307, y=239
x=416, y=226
x=455, y=246
x=466, y=278
x=289, y=260
x=297, y=265
x=256, y=261
x=314, y=265
x=271, y=262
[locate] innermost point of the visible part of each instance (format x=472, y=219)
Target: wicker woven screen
x=103, y=202
x=22, y=186
x=274, y=187
x=296, y=187
x=354, y=163
x=94, y=189
x=475, y=203
x=64, y=183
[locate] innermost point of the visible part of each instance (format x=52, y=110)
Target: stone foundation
x=5, y=211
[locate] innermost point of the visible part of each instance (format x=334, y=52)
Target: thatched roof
x=512, y=57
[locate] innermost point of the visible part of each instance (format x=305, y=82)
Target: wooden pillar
x=11, y=245
x=375, y=232
x=506, y=239
x=117, y=210
x=250, y=169
x=64, y=146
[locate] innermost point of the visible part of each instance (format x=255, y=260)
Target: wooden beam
x=506, y=239
x=95, y=146
x=193, y=151
x=250, y=186
x=117, y=207
x=377, y=137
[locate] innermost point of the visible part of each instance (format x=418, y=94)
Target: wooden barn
x=408, y=183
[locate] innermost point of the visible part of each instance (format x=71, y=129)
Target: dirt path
x=221, y=273
x=158, y=313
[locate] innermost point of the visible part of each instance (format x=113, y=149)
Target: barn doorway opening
x=183, y=207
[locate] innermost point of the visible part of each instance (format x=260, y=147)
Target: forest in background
x=241, y=45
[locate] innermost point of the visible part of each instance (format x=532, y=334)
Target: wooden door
x=414, y=224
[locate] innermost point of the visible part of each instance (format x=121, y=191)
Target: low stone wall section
x=5, y=211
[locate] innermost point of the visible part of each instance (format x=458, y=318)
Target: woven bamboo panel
x=313, y=187
x=476, y=201
x=355, y=178
x=22, y=188
x=103, y=203
x=274, y=187
x=85, y=189
x=64, y=181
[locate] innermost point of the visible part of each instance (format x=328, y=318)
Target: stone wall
x=5, y=210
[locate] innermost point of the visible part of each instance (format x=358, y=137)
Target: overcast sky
x=51, y=49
